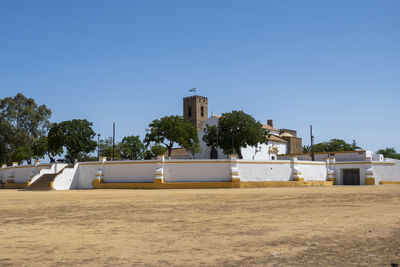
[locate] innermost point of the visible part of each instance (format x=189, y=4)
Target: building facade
x=282, y=141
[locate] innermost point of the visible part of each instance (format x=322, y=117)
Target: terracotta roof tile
x=275, y=138
x=269, y=128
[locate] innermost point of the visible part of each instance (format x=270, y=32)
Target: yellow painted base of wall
x=333, y=180
x=370, y=181
x=158, y=185
x=389, y=182
x=196, y=185
x=15, y=185
x=284, y=184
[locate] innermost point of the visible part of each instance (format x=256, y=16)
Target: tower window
x=202, y=111
x=190, y=112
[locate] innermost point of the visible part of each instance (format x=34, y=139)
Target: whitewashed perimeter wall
x=139, y=171
x=280, y=170
x=21, y=174
x=264, y=171
x=313, y=171
x=185, y=171
x=387, y=172
x=197, y=171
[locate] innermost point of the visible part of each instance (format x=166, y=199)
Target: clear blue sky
x=333, y=64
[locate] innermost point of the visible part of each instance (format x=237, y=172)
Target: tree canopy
x=235, y=130
x=171, y=130
x=23, y=129
x=389, y=152
x=210, y=136
x=132, y=148
x=157, y=150
x=106, y=149
x=75, y=135
x=334, y=145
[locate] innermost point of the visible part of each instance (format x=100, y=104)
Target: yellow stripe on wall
x=389, y=182
x=203, y=185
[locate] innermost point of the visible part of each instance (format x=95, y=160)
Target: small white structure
x=359, y=167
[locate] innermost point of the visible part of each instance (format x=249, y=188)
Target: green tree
x=75, y=135
x=306, y=149
x=132, y=148
x=158, y=150
x=22, y=124
x=389, y=152
x=171, y=130
x=39, y=147
x=210, y=136
x=84, y=157
x=55, y=141
x=334, y=145
x=236, y=130
x=22, y=153
x=148, y=154
x=106, y=149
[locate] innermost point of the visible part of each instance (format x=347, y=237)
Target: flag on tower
x=192, y=89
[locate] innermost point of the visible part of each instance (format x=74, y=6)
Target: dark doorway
x=213, y=153
x=351, y=176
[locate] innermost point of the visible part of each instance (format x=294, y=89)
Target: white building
x=195, y=109
x=275, y=146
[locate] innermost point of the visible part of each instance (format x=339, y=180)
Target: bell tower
x=195, y=109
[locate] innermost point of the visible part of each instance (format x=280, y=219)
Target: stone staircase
x=43, y=183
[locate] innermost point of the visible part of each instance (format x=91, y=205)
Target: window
x=190, y=112
x=202, y=111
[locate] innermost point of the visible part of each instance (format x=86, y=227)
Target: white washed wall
x=197, y=171
x=22, y=173
x=315, y=171
x=386, y=172
x=341, y=156
x=185, y=171
x=265, y=170
x=140, y=171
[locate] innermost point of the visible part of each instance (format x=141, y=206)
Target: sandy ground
x=314, y=226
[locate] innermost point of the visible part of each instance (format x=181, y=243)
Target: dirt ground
x=312, y=226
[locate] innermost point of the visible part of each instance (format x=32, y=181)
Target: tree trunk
x=50, y=157
x=9, y=155
x=170, y=149
x=239, y=153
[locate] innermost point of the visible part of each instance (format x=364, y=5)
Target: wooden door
x=351, y=176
